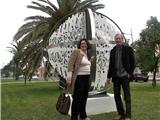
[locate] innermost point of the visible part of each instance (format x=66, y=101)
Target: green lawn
x=3, y=80
x=6, y=80
x=36, y=101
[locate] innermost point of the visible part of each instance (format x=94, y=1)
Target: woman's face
x=83, y=45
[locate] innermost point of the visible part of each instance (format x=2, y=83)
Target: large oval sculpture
x=98, y=29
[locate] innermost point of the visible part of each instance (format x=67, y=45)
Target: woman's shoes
x=117, y=117
x=127, y=118
x=87, y=118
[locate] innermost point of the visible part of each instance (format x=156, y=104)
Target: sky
x=130, y=15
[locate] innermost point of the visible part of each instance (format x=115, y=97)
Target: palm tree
x=15, y=50
x=34, y=35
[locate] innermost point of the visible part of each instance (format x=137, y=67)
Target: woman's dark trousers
x=80, y=96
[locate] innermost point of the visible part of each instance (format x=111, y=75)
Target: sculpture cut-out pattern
x=64, y=41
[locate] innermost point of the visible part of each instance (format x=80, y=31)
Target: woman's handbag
x=63, y=103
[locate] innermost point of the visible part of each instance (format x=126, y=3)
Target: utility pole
x=130, y=35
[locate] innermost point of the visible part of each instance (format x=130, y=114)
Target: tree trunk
x=154, y=73
x=154, y=79
x=25, y=80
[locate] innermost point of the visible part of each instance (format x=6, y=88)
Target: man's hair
x=119, y=35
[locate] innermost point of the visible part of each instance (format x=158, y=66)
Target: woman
x=78, y=80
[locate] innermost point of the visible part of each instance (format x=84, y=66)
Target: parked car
x=35, y=77
x=137, y=74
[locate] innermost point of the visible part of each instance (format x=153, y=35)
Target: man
x=121, y=67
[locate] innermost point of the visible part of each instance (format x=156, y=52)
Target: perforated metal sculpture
x=97, y=28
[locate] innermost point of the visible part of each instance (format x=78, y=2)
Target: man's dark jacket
x=128, y=61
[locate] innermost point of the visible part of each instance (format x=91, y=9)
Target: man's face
x=118, y=39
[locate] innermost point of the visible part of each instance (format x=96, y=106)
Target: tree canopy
x=147, y=48
x=33, y=36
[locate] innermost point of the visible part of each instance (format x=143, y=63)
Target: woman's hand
x=108, y=81
x=69, y=82
x=69, y=77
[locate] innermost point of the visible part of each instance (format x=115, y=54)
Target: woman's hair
x=88, y=44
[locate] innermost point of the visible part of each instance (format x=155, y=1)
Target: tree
x=147, y=49
x=33, y=36
x=6, y=70
x=15, y=50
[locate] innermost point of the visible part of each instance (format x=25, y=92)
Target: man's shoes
x=87, y=118
x=127, y=118
x=117, y=117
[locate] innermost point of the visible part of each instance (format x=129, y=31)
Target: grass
x=6, y=80
x=146, y=100
x=37, y=101
x=3, y=80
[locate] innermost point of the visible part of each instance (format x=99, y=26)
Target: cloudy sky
x=128, y=14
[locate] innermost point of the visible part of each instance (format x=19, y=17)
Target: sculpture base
x=98, y=105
